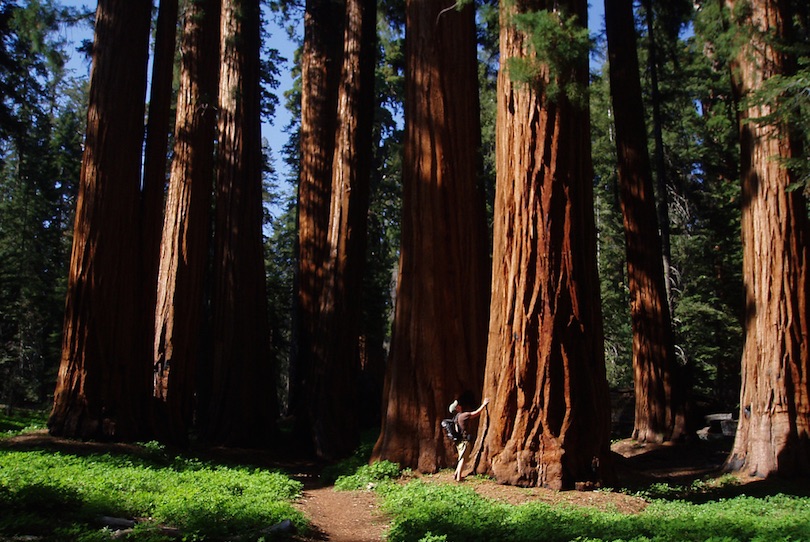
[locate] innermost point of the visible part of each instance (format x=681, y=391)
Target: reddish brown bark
x=320, y=74
x=773, y=434
x=185, y=246
x=103, y=378
x=658, y=410
x=658, y=136
x=155, y=158
x=439, y=336
x=548, y=422
x=239, y=402
x=333, y=387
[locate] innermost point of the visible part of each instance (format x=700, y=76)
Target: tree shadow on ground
x=694, y=471
x=691, y=471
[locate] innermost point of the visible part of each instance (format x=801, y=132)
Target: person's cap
x=453, y=406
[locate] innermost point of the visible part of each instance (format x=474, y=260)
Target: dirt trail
x=354, y=516
x=342, y=516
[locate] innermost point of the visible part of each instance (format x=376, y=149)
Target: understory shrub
x=367, y=476
x=350, y=465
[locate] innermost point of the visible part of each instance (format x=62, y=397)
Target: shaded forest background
x=692, y=130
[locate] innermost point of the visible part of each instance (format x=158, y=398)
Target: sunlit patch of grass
x=350, y=465
x=423, y=511
x=368, y=476
x=49, y=494
x=21, y=421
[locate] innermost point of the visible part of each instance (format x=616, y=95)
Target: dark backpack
x=452, y=430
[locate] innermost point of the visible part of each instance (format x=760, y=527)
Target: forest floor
x=354, y=516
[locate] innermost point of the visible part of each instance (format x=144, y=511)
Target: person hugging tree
x=464, y=422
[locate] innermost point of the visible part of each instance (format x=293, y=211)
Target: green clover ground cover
x=21, y=421
x=60, y=496
x=427, y=512
x=706, y=511
x=56, y=496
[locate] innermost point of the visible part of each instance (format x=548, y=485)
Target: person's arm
x=477, y=412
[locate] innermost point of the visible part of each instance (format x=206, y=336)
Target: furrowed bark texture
x=240, y=403
x=333, y=388
x=656, y=101
x=180, y=308
x=658, y=410
x=773, y=434
x=439, y=336
x=103, y=378
x=320, y=75
x=549, y=420
x=155, y=158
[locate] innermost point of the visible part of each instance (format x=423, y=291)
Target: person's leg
x=461, y=448
x=463, y=454
x=459, y=468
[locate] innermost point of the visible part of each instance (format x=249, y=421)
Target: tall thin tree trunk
x=333, y=388
x=240, y=405
x=658, y=136
x=155, y=159
x=548, y=422
x=320, y=74
x=439, y=335
x=658, y=412
x=185, y=248
x=773, y=434
x=103, y=379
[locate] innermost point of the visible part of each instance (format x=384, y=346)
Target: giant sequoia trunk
x=238, y=403
x=320, y=73
x=773, y=435
x=439, y=336
x=332, y=390
x=103, y=379
x=658, y=405
x=185, y=246
x=549, y=418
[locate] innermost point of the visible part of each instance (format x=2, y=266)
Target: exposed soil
x=342, y=516
x=354, y=516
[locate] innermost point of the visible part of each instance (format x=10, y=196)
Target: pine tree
x=40, y=153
